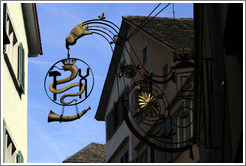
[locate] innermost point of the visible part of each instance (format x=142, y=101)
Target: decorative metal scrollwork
x=81, y=74
x=147, y=102
x=151, y=118
x=128, y=71
x=184, y=57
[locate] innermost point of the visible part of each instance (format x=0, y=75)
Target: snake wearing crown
x=68, y=66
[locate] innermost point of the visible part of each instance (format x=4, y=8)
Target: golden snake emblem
x=68, y=66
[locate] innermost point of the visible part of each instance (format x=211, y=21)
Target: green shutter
x=5, y=18
x=19, y=157
x=4, y=139
x=21, y=68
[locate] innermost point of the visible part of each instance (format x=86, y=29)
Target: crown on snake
x=69, y=61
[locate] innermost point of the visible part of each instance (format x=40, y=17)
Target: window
x=150, y=82
x=9, y=149
x=5, y=18
x=184, y=119
x=143, y=157
x=162, y=156
x=164, y=69
x=110, y=124
x=4, y=139
x=19, y=157
x=14, y=55
x=145, y=55
x=124, y=158
x=115, y=117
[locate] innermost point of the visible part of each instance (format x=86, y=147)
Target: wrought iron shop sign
x=148, y=111
x=68, y=82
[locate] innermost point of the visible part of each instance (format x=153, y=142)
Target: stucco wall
x=157, y=56
x=122, y=131
x=14, y=106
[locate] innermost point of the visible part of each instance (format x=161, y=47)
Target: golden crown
x=69, y=61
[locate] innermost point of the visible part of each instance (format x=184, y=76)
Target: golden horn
x=54, y=117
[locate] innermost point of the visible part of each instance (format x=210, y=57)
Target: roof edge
x=32, y=29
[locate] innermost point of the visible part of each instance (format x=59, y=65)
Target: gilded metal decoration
x=152, y=118
x=145, y=103
x=77, y=32
x=54, y=117
x=101, y=17
x=129, y=71
x=184, y=56
x=156, y=121
x=70, y=81
x=148, y=104
x=64, y=93
x=81, y=82
x=68, y=66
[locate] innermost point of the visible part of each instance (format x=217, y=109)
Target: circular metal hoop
x=150, y=129
x=55, y=66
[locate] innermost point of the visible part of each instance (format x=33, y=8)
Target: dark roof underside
x=93, y=153
x=173, y=32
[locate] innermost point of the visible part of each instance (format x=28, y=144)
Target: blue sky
x=54, y=142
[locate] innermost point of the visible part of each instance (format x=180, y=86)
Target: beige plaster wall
x=157, y=55
x=122, y=131
x=14, y=107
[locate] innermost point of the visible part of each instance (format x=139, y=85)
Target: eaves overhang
x=32, y=29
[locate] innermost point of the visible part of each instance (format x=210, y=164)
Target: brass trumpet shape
x=54, y=117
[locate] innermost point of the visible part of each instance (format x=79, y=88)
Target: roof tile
x=173, y=32
x=93, y=153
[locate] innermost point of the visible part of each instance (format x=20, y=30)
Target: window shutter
x=120, y=112
x=145, y=55
x=4, y=139
x=108, y=127
x=165, y=72
x=19, y=158
x=113, y=122
x=116, y=115
x=21, y=69
x=5, y=18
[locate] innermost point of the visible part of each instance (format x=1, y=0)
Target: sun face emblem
x=148, y=104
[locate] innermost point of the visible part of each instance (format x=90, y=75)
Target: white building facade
x=23, y=41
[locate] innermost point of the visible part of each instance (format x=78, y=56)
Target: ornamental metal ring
x=77, y=85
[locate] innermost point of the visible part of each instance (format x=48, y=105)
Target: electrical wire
x=145, y=19
x=138, y=29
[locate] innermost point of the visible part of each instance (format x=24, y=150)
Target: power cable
x=138, y=29
x=145, y=19
x=173, y=11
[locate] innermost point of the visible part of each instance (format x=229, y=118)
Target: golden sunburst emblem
x=148, y=104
